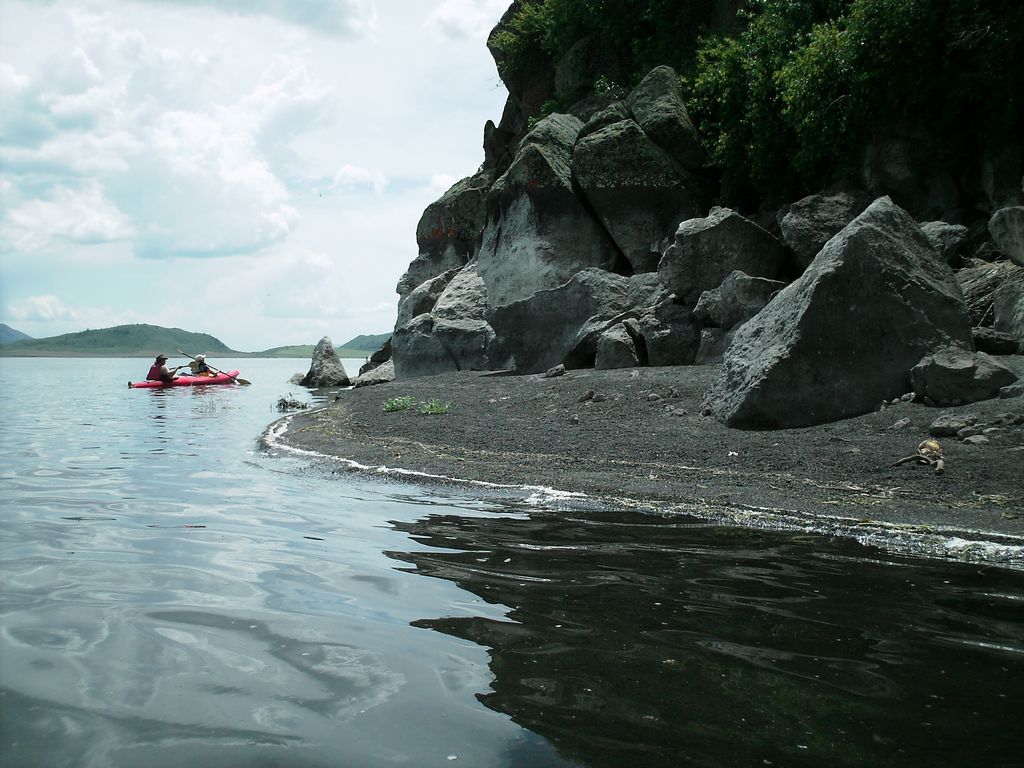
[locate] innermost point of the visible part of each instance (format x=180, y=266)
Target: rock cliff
x=596, y=236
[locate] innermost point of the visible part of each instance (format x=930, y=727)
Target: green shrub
x=399, y=404
x=786, y=100
x=435, y=407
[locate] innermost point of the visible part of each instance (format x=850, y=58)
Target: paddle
x=237, y=379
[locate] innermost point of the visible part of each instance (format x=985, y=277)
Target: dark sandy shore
x=642, y=442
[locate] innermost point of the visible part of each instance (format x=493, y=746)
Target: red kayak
x=187, y=381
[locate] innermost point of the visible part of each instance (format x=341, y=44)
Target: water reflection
x=641, y=641
x=172, y=597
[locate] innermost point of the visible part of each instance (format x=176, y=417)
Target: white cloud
x=195, y=164
x=347, y=18
x=204, y=128
x=51, y=311
x=46, y=308
x=84, y=215
x=209, y=192
x=350, y=177
x=465, y=19
x=441, y=183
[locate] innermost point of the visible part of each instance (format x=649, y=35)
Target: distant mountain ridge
x=8, y=334
x=361, y=346
x=120, y=341
x=141, y=340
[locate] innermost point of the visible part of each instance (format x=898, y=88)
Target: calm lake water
x=172, y=595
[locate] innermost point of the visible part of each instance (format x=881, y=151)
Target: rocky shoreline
x=637, y=438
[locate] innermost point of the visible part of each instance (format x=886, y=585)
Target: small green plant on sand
x=435, y=406
x=399, y=404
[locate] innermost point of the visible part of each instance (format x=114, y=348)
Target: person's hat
x=161, y=356
x=200, y=358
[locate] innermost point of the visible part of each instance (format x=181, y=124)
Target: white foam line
x=541, y=494
x=937, y=541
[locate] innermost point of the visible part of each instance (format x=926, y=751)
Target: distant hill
x=367, y=343
x=141, y=340
x=8, y=334
x=360, y=346
x=119, y=341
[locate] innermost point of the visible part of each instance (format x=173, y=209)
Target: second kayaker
x=199, y=367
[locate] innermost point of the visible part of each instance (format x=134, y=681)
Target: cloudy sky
x=252, y=169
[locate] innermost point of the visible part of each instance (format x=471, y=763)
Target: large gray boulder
x=1008, y=307
x=946, y=239
x=843, y=337
x=637, y=192
x=563, y=324
x=706, y=250
x=736, y=300
x=955, y=376
x=994, y=342
x=427, y=345
x=616, y=349
x=810, y=222
x=325, y=368
x=448, y=230
x=465, y=296
x=669, y=333
x=382, y=374
x=615, y=112
x=658, y=107
x=538, y=232
x=454, y=336
x=1007, y=229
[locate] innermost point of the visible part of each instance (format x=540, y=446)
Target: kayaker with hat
x=199, y=367
x=160, y=372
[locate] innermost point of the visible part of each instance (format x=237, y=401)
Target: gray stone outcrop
x=636, y=190
x=707, y=249
x=1007, y=229
x=736, y=300
x=843, y=337
x=447, y=231
x=454, y=336
x=538, y=233
x=955, y=376
x=423, y=297
x=325, y=368
x=562, y=325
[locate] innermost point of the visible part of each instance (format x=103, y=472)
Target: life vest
x=154, y=373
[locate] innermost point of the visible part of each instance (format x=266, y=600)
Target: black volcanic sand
x=662, y=455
